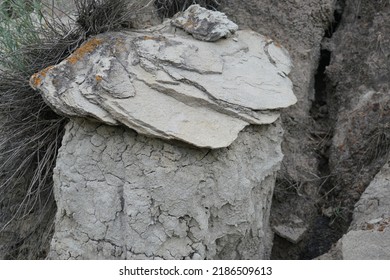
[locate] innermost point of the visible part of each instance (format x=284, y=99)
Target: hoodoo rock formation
x=140, y=191
x=174, y=148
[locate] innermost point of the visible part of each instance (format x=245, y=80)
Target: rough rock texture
x=204, y=24
x=300, y=27
x=171, y=86
x=369, y=234
x=126, y=196
x=358, y=94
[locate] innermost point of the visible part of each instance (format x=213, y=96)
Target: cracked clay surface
x=121, y=195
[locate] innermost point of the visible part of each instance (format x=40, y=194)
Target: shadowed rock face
x=163, y=83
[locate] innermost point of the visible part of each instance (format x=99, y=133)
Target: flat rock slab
x=163, y=83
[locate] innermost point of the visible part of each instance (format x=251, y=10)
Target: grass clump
x=168, y=8
x=32, y=37
x=98, y=16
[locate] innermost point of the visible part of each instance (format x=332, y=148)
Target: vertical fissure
x=324, y=230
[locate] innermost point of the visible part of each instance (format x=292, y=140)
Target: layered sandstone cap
x=173, y=84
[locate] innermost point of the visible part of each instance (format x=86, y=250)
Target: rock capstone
x=163, y=83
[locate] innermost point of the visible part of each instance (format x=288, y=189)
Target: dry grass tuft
x=168, y=8
x=30, y=132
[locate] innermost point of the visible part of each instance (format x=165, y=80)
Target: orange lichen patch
x=149, y=37
x=98, y=78
x=43, y=72
x=86, y=48
x=36, y=79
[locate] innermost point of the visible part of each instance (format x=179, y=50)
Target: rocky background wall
x=336, y=135
x=301, y=27
x=357, y=95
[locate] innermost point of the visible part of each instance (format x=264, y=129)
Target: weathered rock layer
x=125, y=196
